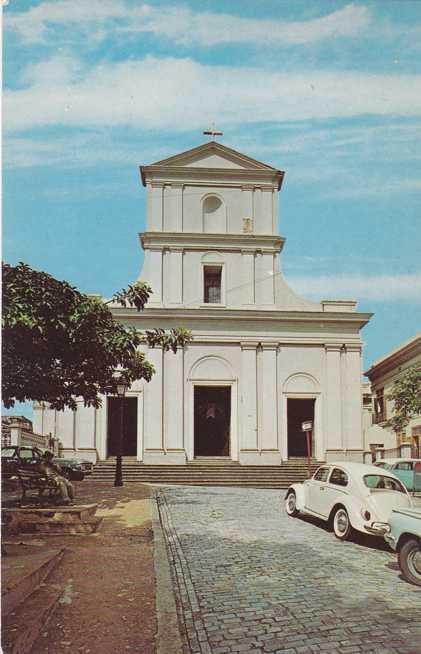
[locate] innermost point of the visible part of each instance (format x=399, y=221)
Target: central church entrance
x=298, y=411
x=212, y=419
x=129, y=432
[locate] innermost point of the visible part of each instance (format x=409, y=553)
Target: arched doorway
x=301, y=403
x=213, y=402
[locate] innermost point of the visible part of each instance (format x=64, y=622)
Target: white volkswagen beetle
x=349, y=496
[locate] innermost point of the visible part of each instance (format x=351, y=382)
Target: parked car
x=404, y=536
x=349, y=496
x=404, y=469
x=18, y=456
x=87, y=466
x=15, y=456
x=71, y=468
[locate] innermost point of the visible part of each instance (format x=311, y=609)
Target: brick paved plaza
x=250, y=579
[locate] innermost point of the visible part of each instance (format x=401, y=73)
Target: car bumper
x=377, y=528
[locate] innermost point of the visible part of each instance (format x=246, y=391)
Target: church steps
x=200, y=473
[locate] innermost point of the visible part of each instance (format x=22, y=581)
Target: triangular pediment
x=213, y=155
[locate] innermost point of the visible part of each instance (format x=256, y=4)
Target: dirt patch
x=108, y=603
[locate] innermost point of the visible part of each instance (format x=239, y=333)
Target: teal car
x=404, y=536
x=407, y=470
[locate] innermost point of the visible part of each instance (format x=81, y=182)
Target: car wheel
x=341, y=524
x=409, y=558
x=291, y=504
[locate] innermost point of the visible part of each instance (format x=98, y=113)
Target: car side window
x=25, y=454
x=321, y=474
x=338, y=477
x=404, y=465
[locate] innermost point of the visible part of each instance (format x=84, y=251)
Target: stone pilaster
x=352, y=397
x=174, y=406
x=247, y=258
x=153, y=436
x=333, y=403
x=155, y=222
x=248, y=403
x=155, y=274
x=268, y=425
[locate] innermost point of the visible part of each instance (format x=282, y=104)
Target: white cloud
x=384, y=288
x=183, y=25
x=181, y=94
x=76, y=151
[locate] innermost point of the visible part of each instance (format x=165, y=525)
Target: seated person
x=50, y=469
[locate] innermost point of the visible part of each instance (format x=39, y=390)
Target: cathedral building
x=262, y=359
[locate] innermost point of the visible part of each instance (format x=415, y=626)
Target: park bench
x=34, y=480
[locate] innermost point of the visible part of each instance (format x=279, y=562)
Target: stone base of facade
x=345, y=455
x=161, y=457
x=256, y=458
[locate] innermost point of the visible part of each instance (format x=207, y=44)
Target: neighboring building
x=262, y=359
x=382, y=375
x=6, y=421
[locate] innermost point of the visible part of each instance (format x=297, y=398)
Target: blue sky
x=328, y=91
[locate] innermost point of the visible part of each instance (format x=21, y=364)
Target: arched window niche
x=214, y=214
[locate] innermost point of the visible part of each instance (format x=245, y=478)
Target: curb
x=168, y=639
x=18, y=590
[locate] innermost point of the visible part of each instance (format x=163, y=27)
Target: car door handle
x=322, y=488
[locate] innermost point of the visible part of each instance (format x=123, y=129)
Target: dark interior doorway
x=129, y=425
x=298, y=411
x=212, y=418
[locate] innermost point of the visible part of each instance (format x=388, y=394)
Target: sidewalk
x=116, y=590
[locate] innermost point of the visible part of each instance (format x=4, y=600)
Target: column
x=264, y=279
x=85, y=427
x=177, y=207
x=352, y=398
x=154, y=267
x=275, y=210
x=266, y=221
x=153, y=404
x=247, y=258
x=155, y=219
x=246, y=202
x=174, y=404
x=268, y=437
x=174, y=277
x=249, y=439
x=258, y=212
x=333, y=426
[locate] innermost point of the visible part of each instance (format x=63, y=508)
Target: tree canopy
x=59, y=343
x=406, y=397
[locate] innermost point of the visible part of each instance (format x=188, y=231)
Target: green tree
x=406, y=397
x=59, y=344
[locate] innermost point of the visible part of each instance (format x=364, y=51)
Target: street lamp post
x=121, y=392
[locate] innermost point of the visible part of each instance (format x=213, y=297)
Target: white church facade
x=262, y=360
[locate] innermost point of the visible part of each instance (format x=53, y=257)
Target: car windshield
x=382, y=482
x=7, y=451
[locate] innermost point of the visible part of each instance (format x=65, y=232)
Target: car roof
x=407, y=458
x=354, y=467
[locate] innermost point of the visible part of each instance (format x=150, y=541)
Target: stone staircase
x=209, y=472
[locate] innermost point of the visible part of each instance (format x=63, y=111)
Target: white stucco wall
x=262, y=341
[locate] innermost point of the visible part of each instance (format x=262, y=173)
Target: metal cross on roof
x=213, y=132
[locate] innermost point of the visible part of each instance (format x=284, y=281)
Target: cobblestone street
x=250, y=579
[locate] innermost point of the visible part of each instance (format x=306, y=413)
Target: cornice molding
x=247, y=314
x=211, y=176
x=201, y=241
